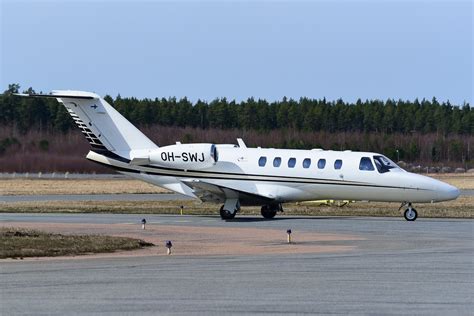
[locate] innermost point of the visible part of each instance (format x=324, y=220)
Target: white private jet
x=236, y=175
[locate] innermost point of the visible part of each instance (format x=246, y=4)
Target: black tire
x=225, y=214
x=268, y=212
x=410, y=215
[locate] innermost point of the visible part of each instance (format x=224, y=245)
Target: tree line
x=312, y=115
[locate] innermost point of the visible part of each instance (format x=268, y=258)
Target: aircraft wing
x=210, y=192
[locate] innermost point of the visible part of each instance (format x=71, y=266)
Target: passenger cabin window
x=306, y=163
x=366, y=164
x=262, y=161
x=291, y=162
x=321, y=163
x=338, y=164
x=384, y=164
x=277, y=162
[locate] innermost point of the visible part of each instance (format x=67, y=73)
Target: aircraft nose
x=448, y=192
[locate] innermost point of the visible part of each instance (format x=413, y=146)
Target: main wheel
x=268, y=212
x=225, y=214
x=410, y=214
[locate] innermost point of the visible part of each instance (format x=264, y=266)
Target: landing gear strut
x=410, y=213
x=269, y=211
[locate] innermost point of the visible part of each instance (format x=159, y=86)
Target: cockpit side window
x=383, y=164
x=366, y=164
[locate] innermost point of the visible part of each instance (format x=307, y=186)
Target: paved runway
x=399, y=267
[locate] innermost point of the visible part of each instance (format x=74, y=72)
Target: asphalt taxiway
x=395, y=267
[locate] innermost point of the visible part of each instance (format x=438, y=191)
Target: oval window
x=277, y=162
x=321, y=163
x=306, y=163
x=291, y=162
x=262, y=161
x=338, y=164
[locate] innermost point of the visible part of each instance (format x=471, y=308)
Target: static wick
x=168, y=247
x=143, y=223
x=288, y=232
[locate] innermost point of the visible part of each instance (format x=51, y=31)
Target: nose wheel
x=230, y=207
x=226, y=214
x=410, y=213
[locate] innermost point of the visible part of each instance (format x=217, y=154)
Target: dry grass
x=460, y=208
x=75, y=186
x=19, y=243
x=463, y=181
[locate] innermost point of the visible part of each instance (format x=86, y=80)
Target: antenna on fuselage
x=241, y=143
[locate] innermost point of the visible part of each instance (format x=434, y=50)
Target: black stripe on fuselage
x=212, y=176
x=109, y=154
x=236, y=174
x=220, y=175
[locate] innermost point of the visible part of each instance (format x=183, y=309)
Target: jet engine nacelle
x=185, y=156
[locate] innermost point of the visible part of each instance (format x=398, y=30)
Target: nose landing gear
x=226, y=214
x=229, y=209
x=410, y=213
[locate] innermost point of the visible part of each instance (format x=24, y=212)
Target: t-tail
x=103, y=126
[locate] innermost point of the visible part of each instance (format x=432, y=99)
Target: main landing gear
x=231, y=207
x=269, y=211
x=410, y=213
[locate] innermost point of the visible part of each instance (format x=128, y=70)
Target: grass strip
x=20, y=243
x=459, y=208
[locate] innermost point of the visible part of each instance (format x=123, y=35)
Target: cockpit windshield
x=384, y=164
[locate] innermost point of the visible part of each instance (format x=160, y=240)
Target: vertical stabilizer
x=103, y=126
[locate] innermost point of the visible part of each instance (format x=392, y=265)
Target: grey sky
x=237, y=49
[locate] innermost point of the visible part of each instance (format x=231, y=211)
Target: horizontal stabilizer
x=64, y=95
